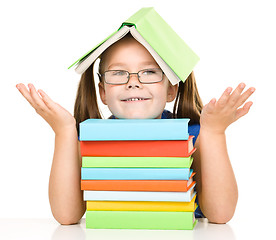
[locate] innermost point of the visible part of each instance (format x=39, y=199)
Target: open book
x=170, y=52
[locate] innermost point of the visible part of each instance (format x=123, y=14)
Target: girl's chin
x=137, y=115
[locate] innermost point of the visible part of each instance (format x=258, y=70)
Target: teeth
x=134, y=99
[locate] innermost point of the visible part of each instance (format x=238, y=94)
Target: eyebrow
x=125, y=65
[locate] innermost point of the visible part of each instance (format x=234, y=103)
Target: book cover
x=139, y=185
x=137, y=162
x=136, y=173
x=158, y=38
x=142, y=206
x=134, y=129
x=140, y=220
x=139, y=196
x=150, y=148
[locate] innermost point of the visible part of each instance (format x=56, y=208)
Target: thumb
x=211, y=105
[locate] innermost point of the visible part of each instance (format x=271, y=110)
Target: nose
x=133, y=81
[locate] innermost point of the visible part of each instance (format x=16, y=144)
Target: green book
x=140, y=220
x=172, y=54
x=147, y=162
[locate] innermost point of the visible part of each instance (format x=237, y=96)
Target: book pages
x=86, y=62
x=173, y=78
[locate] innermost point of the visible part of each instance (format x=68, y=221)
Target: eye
x=149, y=72
x=118, y=73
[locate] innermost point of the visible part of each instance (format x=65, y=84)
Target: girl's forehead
x=145, y=64
x=128, y=52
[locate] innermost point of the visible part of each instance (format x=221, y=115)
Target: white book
x=140, y=196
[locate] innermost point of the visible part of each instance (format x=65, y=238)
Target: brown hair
x=86, y=104
x=188, y=103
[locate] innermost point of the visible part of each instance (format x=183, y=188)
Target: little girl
x=128, y=91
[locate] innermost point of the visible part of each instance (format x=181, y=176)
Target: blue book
x=136, y=173
x=134, y=129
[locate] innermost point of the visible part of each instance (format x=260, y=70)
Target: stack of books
x=136, y=174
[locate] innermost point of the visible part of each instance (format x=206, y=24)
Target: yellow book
x=142, y=206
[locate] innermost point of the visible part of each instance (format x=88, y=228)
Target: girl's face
x=127, y=54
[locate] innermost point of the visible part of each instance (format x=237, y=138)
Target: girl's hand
x=216, y=116
x=56, y=116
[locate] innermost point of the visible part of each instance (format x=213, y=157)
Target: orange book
x=139, y=185
x=162, y=148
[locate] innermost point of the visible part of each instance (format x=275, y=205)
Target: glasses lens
x=150, y=75
x=116, y=77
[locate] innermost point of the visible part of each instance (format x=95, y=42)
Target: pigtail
x=86, y=105
x=188, y=103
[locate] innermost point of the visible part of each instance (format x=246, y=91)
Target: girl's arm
x=65, y=195
x=216, y=183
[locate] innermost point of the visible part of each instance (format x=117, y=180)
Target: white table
x=40, y=229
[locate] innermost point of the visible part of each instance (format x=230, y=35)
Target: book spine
x=137, y=148
x=140, y=220
x=147, y=162
x=136, y=173
x=137, y=185
x=141, y=206
x=138, y=196
x=133, y=129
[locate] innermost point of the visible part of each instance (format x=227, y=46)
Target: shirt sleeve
x=198, y=212
x=194, y=131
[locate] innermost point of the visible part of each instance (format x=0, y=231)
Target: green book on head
x=171, y=53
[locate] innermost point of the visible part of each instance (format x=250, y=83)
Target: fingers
x=236, y=99
x=244, y=110
x=236, y=94
x=26, y=94
x=46, y=99
x=211, y=105
x=224, y=97
x=39, y=104
x=33, y=97
x=245, y=96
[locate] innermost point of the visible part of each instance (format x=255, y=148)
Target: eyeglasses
x=116, y=77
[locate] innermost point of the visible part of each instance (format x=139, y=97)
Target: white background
x=41, y=39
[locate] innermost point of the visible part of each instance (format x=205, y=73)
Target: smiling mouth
x=134, y=99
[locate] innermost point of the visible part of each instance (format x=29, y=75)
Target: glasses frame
x=128, y=76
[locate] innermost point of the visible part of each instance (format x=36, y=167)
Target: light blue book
x=140, y=196
x=136, y=173
x=134, y=129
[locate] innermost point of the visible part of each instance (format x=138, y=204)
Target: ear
x=172, y=92
x=102, y=92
